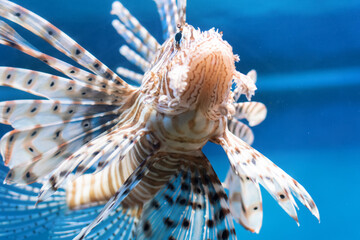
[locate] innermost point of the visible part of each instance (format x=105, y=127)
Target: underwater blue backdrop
x=307, y=54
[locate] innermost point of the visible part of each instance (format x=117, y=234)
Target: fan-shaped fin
x=31, y=144
x=57, y=39
x=133, y=25
x=18, y=216
x=192, y=205
x=72, y=222
x=249, y=163
x=253, y=112
x=118, y=225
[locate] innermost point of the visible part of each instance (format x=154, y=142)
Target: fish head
x=197, y=73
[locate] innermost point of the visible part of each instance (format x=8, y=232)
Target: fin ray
x=133, y=25
x=49, y=112
x=53, y=87
x=57, y=39
x=192, y=205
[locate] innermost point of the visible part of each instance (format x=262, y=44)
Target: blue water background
x=307, y=54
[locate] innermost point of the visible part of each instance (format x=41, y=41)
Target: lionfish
x=104, y=159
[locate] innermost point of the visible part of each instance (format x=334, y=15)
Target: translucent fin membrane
x=45, y=148
x=192, y=205
x=21, y=113
x=19, y=218
x=118, y=225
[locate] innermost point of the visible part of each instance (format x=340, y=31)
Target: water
x=307, y=54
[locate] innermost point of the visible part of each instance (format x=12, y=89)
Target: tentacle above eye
x=169, y=16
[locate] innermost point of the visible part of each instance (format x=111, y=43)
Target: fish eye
x=178, y=37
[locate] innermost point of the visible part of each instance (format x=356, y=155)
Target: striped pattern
x=251, y=164
x=135, y=59
x=169, y=16
x=253, y=112
x=19, y=219
x=132, y=40
x=182, y=12
x=57, y=39
x=21, y=114
x=145, y=142
x=192, y=205
x=54, y=87
x=126, y=73
x=134, y=26
x=100, y=187
x=119, y=225
x=241, y=130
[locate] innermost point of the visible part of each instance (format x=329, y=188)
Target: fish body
x=143, y=144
